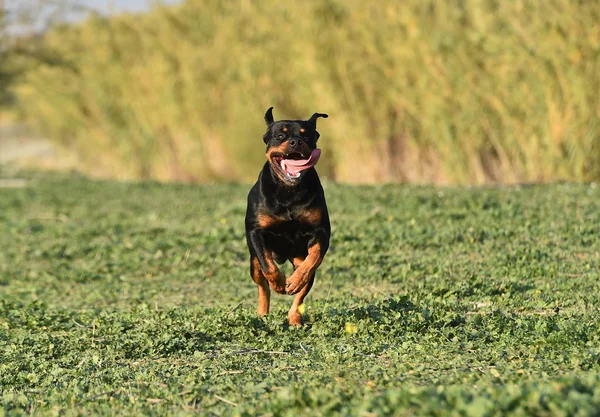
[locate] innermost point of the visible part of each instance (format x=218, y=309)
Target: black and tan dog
x=286, y=218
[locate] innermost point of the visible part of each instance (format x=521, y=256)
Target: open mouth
x=293, y=164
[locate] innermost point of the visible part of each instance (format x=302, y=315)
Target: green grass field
x=135, y=298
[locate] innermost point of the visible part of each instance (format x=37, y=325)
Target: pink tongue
x=294, y=166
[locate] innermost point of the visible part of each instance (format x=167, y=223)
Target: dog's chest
x=289, y=239
x=290, y=218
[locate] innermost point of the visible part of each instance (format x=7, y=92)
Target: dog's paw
x=278, y=283
x=294, y=284
x=279, y=289
x=295, y=319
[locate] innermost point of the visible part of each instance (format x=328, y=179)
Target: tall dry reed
x=457, y=91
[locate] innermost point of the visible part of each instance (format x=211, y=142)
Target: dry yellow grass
x=470, y=91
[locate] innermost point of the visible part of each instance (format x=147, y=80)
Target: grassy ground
x=136, y=298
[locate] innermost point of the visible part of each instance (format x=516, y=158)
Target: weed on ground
x=135, y=298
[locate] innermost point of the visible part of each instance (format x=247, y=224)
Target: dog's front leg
x=303, y=273
x=267, y=265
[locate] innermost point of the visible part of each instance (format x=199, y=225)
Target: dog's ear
x=315, y=116
x=313, y=122
x=269, y=117
x=269, y=121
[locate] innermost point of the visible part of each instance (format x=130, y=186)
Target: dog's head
x=292, y=146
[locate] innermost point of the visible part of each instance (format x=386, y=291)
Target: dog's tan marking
x=304, y=271
x=302, y=130
x=264, y=293
x=294, y=315
x=297, y=261
x=277, y=149
x=265, y=221
x=273, y=274
x=310, y=216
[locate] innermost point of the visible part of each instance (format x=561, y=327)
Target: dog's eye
x=280, y=136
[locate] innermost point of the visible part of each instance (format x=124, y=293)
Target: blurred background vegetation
x=443, y=91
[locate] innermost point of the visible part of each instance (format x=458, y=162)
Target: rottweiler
x=287, y=218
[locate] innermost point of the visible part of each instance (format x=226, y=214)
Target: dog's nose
x=293, y=143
